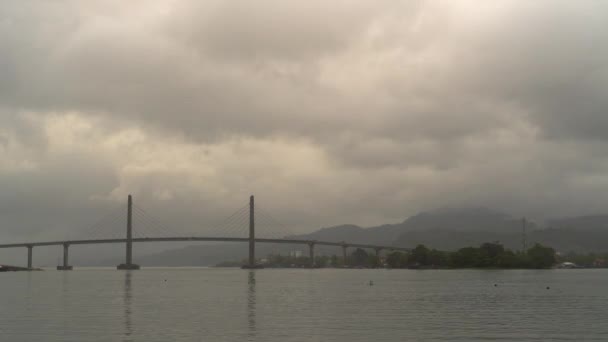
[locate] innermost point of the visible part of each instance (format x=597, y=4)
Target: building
x=295, y=254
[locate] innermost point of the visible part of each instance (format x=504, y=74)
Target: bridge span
x=252, y=240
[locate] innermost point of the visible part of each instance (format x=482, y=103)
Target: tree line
x=488, y=255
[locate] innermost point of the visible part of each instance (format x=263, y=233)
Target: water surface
x=197, y=304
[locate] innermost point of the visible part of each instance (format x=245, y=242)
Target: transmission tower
x=524, y=242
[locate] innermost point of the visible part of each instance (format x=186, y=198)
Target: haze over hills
x=444, y=229
x=583, y=223
x=449, y=219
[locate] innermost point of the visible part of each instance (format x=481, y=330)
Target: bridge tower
x=251, y=232
x=29, y=256
x=251, y=263
x=128, y=265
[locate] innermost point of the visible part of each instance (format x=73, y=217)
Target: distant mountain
x=574, y=239
x=461, y=229
x=462, y=220
x=591, y=222
x=476, y=223
x=381, y=235
x=445, y=229
x=562, y=240
x=450, y=229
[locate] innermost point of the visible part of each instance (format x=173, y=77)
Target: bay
x=213, y=304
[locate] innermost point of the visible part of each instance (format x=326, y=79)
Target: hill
x=444, y=229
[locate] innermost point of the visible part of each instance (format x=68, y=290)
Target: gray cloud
x=331, y=112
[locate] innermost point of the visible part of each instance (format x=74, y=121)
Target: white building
x=295, y=254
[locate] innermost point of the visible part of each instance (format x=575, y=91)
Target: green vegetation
x=488, y=255
x=278, y=260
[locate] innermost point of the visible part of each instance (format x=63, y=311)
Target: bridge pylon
x=251, y=262
x=129, y=265
x=29, y=256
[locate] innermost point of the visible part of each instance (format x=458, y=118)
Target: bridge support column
x=344, y=255
x=128, y=265
x=29, y=256
x=378, y=250
x=65, y=266
x=251, y=232
x=311, y=247
x=251, y=262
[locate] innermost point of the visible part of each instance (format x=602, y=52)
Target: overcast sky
x=329, y=112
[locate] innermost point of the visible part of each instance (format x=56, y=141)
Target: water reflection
x=65, y=302
x=127, y=305
x=251, y=299
x=221, y=305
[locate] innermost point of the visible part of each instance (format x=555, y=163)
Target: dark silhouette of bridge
x=251, y=240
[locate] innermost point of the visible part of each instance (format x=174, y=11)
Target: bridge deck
x=195, y=238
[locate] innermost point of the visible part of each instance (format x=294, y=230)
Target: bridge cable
x=275, y=226
x=225, y=228
x=234, y=224
x=152, y=223
x=239, y=226
x=98, y=228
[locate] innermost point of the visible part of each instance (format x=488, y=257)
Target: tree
x=334, y=260
x=466, y=257
x=321, y=261
x=373, y=260
x=360, y=257
x=508, y=259
x=420, y=255
x=541, y=256
x=489, y=253
x=437, y=258
x=394, y=260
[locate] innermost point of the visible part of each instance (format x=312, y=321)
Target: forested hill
x=445, y=229
x=451, y=229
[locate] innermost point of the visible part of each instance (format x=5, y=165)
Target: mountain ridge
x=444, y=229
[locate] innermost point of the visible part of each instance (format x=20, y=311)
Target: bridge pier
x=128, y=265
x=378, y=250
x=344, y=255
x=65, y=266
x=30, y=249
x=311, y=252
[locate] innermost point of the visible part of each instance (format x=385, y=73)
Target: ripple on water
x=303, y=305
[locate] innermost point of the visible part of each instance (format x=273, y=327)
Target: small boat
x=569, y=265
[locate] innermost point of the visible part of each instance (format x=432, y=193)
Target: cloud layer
x=330, y=112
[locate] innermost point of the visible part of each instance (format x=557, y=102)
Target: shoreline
x=9, y=268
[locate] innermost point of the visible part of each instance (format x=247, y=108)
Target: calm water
x=303, y=305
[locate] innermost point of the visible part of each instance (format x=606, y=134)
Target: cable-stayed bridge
x=241, y=226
